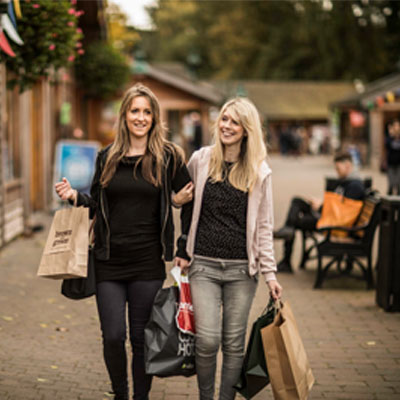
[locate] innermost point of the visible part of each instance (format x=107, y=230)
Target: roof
x=183, y=82
x=290, y=99
x=372, y=90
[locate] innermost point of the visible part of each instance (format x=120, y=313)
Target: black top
x=221, y=232
x=134, y=220
x=175, y=176
x=393, y=150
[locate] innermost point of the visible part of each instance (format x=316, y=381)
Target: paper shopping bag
x=289, y=370
x=338, y=210
x=66, y=251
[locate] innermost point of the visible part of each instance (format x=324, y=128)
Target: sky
x=135, y=10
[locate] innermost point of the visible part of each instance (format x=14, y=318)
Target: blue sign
x=75, y=160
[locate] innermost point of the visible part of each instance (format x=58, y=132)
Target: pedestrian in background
x=130, y=198
x=230, y=242
x=392, y=144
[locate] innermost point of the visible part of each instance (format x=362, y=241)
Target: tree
x=318, y=39
x=121, y=36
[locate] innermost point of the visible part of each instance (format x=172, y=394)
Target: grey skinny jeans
x=217, y=284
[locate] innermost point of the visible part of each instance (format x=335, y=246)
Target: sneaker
x=285, y=266
x=286, y=232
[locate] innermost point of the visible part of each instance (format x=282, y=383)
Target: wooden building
x=30, y=125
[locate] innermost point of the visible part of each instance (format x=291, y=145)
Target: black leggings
x=112, y=298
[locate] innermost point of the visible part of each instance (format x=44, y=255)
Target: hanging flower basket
x=51, y=40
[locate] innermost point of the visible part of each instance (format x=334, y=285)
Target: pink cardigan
x=259, y=226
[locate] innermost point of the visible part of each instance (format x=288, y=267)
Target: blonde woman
x=230, y=241
x=134, y=233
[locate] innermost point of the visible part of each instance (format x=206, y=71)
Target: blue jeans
x=217, y=284
x=113, y=297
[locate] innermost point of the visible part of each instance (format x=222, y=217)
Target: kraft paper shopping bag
x=66, y=251
x=288, y=367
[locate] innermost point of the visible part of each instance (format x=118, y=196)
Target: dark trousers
x=112, y=298
x=300, y=216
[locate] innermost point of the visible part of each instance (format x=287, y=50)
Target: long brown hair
x=153, y=159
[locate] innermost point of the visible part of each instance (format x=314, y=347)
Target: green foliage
x=293, y=39
x=102, y=70
x=51, y=41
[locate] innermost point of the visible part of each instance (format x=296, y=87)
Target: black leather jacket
x=97, y=202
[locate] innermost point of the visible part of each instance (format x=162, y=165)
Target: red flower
x=81, y=51
x=36, y=5
x=71, y=58
x=52, y=46
x=71, y=11
x=70, y=23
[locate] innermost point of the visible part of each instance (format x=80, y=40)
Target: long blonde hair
x=153, y=159
x=243, y=174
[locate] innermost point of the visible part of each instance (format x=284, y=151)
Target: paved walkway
x=50, y=347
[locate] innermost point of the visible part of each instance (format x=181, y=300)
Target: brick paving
x=50, y=347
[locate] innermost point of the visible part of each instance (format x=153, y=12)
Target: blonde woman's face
x=139, y=117
x=231, y=132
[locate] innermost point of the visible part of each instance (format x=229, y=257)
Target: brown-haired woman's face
x=139, y=117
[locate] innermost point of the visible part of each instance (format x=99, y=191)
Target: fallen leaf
x=68, y=316
x=61, y=329
x=53, y=367
x=371, y=343
x=41, y=380
x=43, y=325
x=6, y=318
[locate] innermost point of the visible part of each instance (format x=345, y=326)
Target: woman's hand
x=182, y=263
x=184, y=195
x=65, y=191
x=275, y=289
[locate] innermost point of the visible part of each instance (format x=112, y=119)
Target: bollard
x=388, y=276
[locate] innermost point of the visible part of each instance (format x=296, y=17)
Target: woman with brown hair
x=134, y=233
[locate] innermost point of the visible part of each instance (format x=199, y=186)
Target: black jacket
x=97, y=202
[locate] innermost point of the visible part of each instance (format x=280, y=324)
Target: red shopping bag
x=184, y=316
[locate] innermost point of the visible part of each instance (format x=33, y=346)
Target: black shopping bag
x=81, y=288
x=167, y=350
x=254, y=375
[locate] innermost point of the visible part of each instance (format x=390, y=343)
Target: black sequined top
x=221, y=232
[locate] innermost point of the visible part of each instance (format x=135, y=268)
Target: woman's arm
x=66, y=192
x=265, y=222
x=181, y=179
x=183, y=196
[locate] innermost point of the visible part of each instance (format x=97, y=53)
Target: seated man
x=304, y=212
